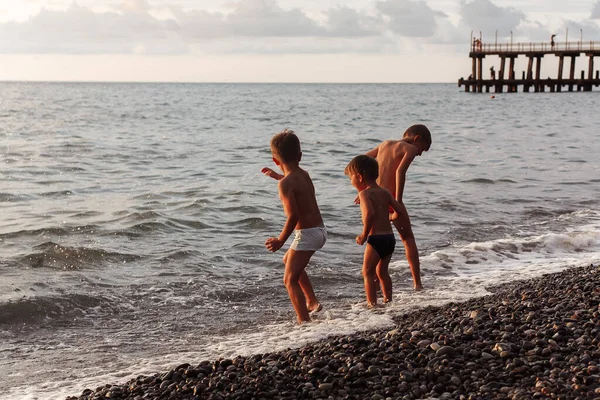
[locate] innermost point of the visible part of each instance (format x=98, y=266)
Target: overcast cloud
x=409, y=18
x=596, y=11
x=263, y=26
x=482, y=15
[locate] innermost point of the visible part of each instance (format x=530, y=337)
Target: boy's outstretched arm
x=407, y=158
x=367, y=212
x=270, y=173
x=288, y=199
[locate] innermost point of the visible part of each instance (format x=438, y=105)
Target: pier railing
x=546, y=47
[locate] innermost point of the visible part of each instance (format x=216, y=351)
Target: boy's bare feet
x=418, y=288
x=314, y=308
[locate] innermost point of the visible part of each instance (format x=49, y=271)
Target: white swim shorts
x=310, y=239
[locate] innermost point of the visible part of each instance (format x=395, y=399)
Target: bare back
x=380, y=201
x=390, y=154
x=301, y=188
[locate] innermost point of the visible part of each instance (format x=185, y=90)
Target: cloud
x=596, y=11
x=448, y=33
x=199, y=24
x=584, y=30
x=254, y=18
x=136, y=5
x=264, y=18
x=480, y=15
x=347, y=22
x=260, y=26
x=290, y=46
x=79, y=30
x=532, y=32
x=409, y=18
x=131, y=28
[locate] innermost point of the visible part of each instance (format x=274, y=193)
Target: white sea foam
x=507, y=259
x=450, y=275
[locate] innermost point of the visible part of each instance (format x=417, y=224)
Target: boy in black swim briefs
x=377, y=230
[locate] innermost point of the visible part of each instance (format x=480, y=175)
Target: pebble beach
x=538, y=338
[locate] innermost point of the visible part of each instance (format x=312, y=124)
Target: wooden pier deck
x=507, y=79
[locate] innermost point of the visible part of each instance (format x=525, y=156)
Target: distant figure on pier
x=477, y=44
x=552, y=41
x=471, y=77
x=492, y=73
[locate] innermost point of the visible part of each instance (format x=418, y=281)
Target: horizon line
x=225, y=82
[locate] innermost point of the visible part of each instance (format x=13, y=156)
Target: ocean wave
x=574, y=183
x=180, y=255
x=151, y=196
x=187, y=223
x=44, y=309
x=539, y=212
x=57, y=194
x=249, y=223
x=86, y=214
x=150, y=228
x=54, y=256
x=13, y=197
x=480, y=180
x=50, y=231
x=138, y=223
x=240, y=208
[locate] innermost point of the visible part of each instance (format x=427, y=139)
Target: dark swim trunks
x=383, y=244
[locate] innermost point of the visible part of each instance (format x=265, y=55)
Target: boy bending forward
x=377, y=229
x=394, y=158
x=297, y=195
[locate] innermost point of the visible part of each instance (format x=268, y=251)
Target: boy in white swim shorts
x=297, y=195
x=309, y=239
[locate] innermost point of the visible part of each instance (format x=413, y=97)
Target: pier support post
x=473, y=72
x=530, y=68
x=572, y=73
x=529, y=74
x=511, y=74
x=588, y=87
x=538, y=70
x=479, y=74
x=500, y=87
x=561, y=61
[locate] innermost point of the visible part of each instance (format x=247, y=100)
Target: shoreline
x=537, y=338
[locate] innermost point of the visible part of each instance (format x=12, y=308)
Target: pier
x=506, y=79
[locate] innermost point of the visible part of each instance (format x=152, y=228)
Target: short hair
x=421, y=130
x=286, y=146
x=367, y=166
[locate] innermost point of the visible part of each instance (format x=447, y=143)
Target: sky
x=272, y=40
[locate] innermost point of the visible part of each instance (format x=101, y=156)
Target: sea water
x=133, y=216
